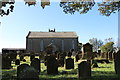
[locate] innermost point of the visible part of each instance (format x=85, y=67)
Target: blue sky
x=15, y=27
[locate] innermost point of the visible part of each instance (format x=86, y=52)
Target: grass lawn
x=104, y=72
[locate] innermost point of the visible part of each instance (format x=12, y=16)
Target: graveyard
x=76, y=51
x=61, y=66
x=105, y=71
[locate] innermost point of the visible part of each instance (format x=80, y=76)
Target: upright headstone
x=77, y=57
x=84, y=70
x=52, y=65
x=103, y=55
x=107, y=56
x=26, y=72
x=117, y=63
x=69, y=54
x=61, y=60
x=20, y=69
x=6, y=62
x=32, y=56
x=58, y=55
x=45, y=60
x=21, y=58
x=87, y=48
x=99, y=52
x=13, y=56
x=49, y=49
x=36, y=64
x=17, y=62
x=80, y=54
x=69, y=63
x=110, y=55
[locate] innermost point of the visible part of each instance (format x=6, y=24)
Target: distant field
x=104, y=72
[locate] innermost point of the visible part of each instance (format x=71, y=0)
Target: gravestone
x=84, y=70
x=107, y=55
x=61, y=59
x=114, y=54
x=58, y=55
x=87, y=49
x=6, y=62
x=99, y=52
x=49, y=49
x=26, y=72
x=36, y=64
x=52, y=65
x=117, y=62
x=13, y=55
x=94, y=54
x=45, y=60
x=110, y=55
x=32, y=56
x=77, y=57
x=21, y=58
x=17, y=62
x=69, y=54
x=103, y=55
x=20, y=69
x=61, y=62
x=24, y=60
x=69, y=63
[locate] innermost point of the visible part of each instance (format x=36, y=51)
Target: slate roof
x=13, y=48
x=52, y=35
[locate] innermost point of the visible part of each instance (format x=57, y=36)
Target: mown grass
x=104, y=72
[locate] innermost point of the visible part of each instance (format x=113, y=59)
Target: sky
x=15, y=27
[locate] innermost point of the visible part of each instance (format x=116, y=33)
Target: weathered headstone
x=25, y=72
x=20, y=69
x=13, y=56
x=45, y=60
x=84, y=70
x=36, y=64
x=93, y=55
x=21, y=58
x=32, y=56
x=58, y=55
x=6, y=62
x=49, y=49
x=117, y=63
x=52, y=65
x=69, y=54
x=24, y=60
x=61, y=59
x=110, y=55
x=107, y=55
x=99, y=52
x=77, y=57
x=61, y=62
x=87, y=48
x=17, y=62
x=69, y=63
x=103, y=55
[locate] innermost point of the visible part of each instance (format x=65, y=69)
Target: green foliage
x=73, y=6
x=106, y=8
x=107, y=47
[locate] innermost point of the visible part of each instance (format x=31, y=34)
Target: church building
x=61, y=41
